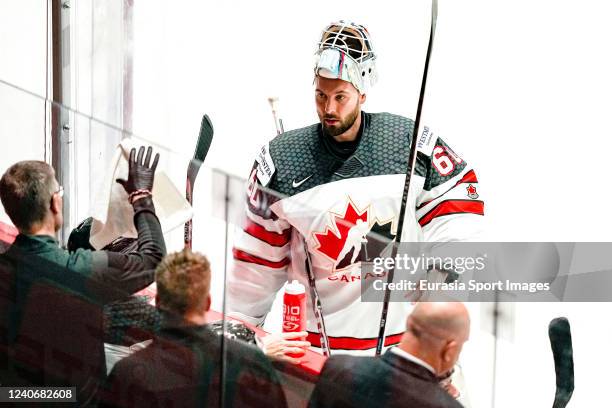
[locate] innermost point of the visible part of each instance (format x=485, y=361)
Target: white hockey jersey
x=299, y=191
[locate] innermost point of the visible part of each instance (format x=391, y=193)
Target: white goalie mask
x=345, y=52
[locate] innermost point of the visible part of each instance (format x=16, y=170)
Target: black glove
x=140, y=175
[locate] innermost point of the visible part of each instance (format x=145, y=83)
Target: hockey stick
x=411, y=163
x=204, y=139
x=314, y=294
x=278, y=122
x=316, y=305
x=561, y=345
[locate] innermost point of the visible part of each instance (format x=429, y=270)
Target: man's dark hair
x=26, y=189
x=183, y=282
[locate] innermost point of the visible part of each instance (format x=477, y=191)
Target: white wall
x=23, y=46
x=520, y=88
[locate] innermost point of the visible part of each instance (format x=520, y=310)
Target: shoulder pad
x=426, y=142
x=265, y=165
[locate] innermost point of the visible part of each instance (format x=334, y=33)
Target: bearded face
x=336, y=125
x=338, y=107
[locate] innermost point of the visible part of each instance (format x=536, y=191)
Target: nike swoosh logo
x=299, y=183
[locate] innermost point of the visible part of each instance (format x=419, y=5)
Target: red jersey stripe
x=352, y=343
x=469, y=177
x=246, y=257
x=270, y=237
x=449, y=207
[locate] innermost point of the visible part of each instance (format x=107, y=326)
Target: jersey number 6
x=442, y=161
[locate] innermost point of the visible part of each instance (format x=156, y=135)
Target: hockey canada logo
x=471, y=191
x=350, y=226
x=345, y=242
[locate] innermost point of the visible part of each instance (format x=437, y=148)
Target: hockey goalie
x=317, y=197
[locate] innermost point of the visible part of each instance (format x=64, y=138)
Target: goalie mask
x=345, y=52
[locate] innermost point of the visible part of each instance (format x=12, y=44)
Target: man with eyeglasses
x=33, y=200
x=35, y=269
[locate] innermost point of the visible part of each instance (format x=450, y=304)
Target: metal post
x=61, y=118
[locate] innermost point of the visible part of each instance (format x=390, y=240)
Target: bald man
x=407, y=375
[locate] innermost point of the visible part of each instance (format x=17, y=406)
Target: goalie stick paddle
x=411, y=162
x=204, y=139
x=561, y=345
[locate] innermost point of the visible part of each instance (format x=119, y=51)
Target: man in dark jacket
x=48, y=294
x=33, y=200
x=183, y=365
x=405, y=376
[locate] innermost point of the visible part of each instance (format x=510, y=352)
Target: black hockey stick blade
x=411, y=162
x=561, y=344
x=204, y=140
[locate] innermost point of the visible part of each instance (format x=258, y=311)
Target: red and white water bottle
x=294, y=307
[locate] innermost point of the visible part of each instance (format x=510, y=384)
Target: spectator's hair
x=183, y=282
x=26, y=189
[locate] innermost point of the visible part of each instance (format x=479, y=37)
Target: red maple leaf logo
x=471, y=190
x=332, y=240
